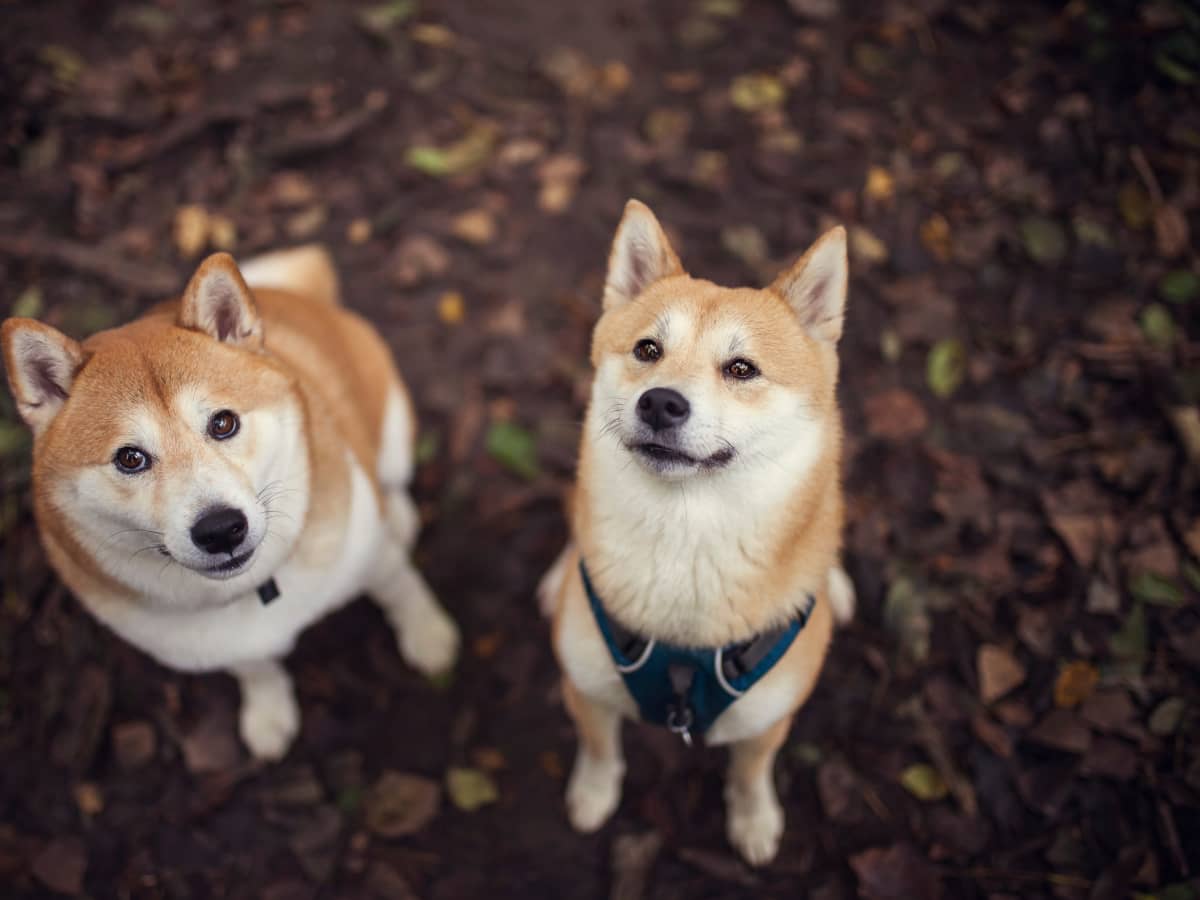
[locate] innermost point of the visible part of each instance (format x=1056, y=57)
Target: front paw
x=593, y=793
x=269, y=721
x=754, y=828
x=430, y=645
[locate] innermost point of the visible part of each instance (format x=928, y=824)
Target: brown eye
x=647, y=350
x=741, y=369
x=223, y=424
x=131, y=460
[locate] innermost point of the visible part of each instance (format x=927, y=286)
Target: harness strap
x=686, y=688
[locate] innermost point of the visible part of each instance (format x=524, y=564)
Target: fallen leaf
x=924, y=782
x=61, y=865
x=306, y=223
x=88, y=798
x=905, y=615
x=417, y=258
x=1165, y=719
x=757, y=91
x=559, y=176
x=134, y=744
x=359, y=231
x=866, y=247
x=513, y=447
x=1155, y=589
x=1044, y=240
x=1179, y=286
x=1129, y=642
x=470, y=789
x=190, y=230
x=28, y=304
x=1109, y=758
x=1157, y=325
x=380, y=19
x=433, y=35
x=880, y=185
x=745, y=242
x=451, y=309
x=838, y=791
x=476, y=226
x=222, y=232
x=999, y=672
x=935, y=236
x=895, y=415
x=211, y=745
x=1108, y=710
x=946, y=366
x=1170, y=231
x=721, y=866
x=821, y=10
x=469, y=152
x=899, y=872
x=399, y=804
x=1075, y=683
x=1135, y=205
x=1062, y=730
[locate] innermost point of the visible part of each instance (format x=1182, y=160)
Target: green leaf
x=722, y=9
x=469, y=152
x=382, y=18
x=1180, y=286
x=1155, y=589
x=470, y=789
x=1191, y=574
x=1044, y=240
x=1174, y=69
x=514, y=448
x=923, y=782
x=29, y=304
x=1167, y=715
x=946, y=367
x=427, y=447
x=1129, y=642
x=756, y=91
x=1157, y=325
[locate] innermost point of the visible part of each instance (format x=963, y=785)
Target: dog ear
x=640, y=256
x=217, y=302
x=41, y=363
x=815, y=286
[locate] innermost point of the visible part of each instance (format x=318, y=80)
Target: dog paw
x=269, y=722
x=593, y=793
x=841, y=596
x=430, y=645
x=755, y=830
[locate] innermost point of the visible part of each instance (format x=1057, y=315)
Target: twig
x=1147, y=175
x=138, y=278
x=326, y=137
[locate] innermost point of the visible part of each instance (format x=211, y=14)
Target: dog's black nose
x=662, y=408
x=219, y=530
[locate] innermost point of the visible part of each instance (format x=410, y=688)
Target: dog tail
x=841, y=596
x=307, y=270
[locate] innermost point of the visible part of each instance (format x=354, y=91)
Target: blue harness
x=687, y=688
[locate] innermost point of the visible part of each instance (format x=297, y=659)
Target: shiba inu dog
x=217, y=475
x=703, y=578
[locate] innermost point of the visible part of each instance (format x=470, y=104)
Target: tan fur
x=760, y=577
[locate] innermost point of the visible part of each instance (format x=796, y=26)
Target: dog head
x=694, y=379
x=169, y=454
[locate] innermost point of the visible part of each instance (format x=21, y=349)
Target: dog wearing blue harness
x=703, y=577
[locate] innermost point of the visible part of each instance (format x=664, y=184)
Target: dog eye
x=647, y=350
x=131, y=460
x=223, y=424
x=741, y=369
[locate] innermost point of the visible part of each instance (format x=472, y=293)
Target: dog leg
x=753, y=816
x=594, y=790
x=427, y=636
x=550, y=585
x=402, y=516
x=269, y=718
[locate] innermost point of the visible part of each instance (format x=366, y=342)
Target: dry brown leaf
x=895, y=415
x=1171, y=233
x=190, y=230
x=476, y=226
x=1075, y=683
x=999, y=672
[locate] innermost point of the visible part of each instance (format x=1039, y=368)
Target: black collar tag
x=268, y=591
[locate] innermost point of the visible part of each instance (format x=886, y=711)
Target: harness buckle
x=679, y=721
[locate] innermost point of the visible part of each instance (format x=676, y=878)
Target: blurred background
x=1015, y=711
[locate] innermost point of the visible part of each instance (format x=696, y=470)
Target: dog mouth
x=231, y=565
x=662, y=456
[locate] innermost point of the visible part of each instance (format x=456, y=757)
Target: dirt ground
x=1015, y=711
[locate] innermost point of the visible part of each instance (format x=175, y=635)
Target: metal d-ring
x=679, y=721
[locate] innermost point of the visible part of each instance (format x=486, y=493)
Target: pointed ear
x=640, y=256
x=41, y=363
x=815, y=286
x=217, y=302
